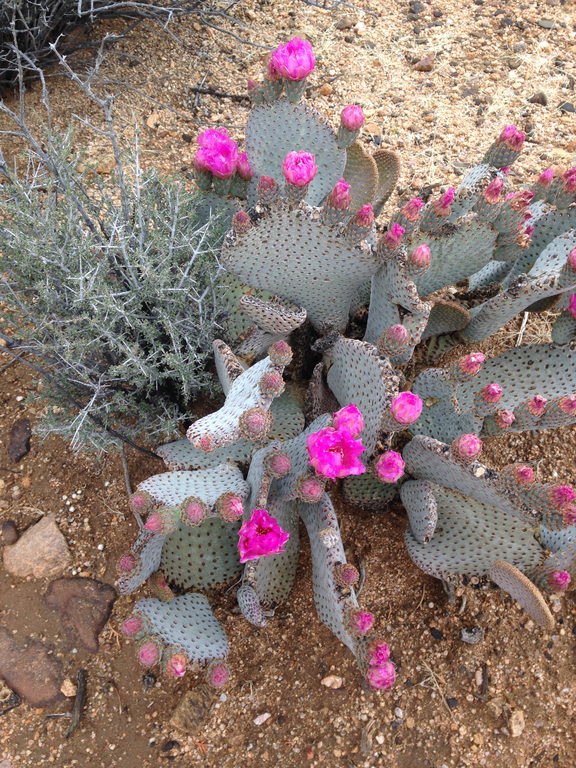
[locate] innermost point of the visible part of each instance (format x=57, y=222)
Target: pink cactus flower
x=562, y=495
x=559, y=580
x=381, y=677
x=379, y=654
x=569, y=179
x=571, y=260
x=352, y=118
x=546, y=177
x=389, y=467
x=310, y=489
x=411, y=210
x=467, y=446
x=243, y=167
x=260, y=536
x=132, y=626
x=537, y=405
x=127, y=563
x=572, y=306
x=568, y=404
x=513, y=138
x=212, y=137
x=493, y=192
x=521, y=200
x=149, y=653
x=218, y=675
x=420, y=256
x=365, y=216
x=393, y=236
x=472, y=363
x=176, y=665
x=524, y=475
x=280, y=353
x=294, y=60
x=299, y=168
x=339, y=198
x=492, y=393
x=442, y=205
x=505, y=419
x=406, y=408
x=362, y=622
x=346, y=575
x=219, y=156
x=349, y=419
x=334, y=453
x=279, y=464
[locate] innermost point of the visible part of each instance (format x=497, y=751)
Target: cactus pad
x=420, y=504
x=362, y=175
x=519, y=586
x=388, y=165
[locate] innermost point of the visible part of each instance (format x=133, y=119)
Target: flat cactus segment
x=470, y=536
x=250, y=607
x=327, y=552
x=148, y=552
x=171, y=488
x=564, y=329
x=557, y=539
x=275, y=315
x=361, y=173
x=287, y=243
x=359, y=375
x=287, y=415
x=445, y=317
x=319, y=397
x=519, y=586
x=224, y=426
x=272, y=577
x=548, y=277
x=383, y=312
x=187, y=622
x=469, y=191
x=439, y=418
x=493, y=272
x=228, y=366
x=275, y=129
x=367, y=492
x=203, y=556
x=388, y=165
x=457, y=253
x=420, y=504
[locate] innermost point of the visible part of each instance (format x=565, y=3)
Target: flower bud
x=559, y=580
x=472, y=363
x=352, y=118
x=393, y=236
x=381, y=677
x=406, y=408
x=299, y=168
x=492, y=393
x=420, y=256
x=537, y=405
x=389, y=467
x=513, y=138
x=467, y=446
x=243, y=167
x=505, y=419
x=493, y=192
x=340, y=196
x=365, y=216
x=411, y=210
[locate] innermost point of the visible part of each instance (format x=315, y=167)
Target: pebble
x=436, y=633
x=566, y=106
x=472, y=635
x=345, y=23
x=514, y=62
x=9, y=532
x=30, y=669
x=325, y=90
x=68, y=688
x=40, y=552
x=19, y=440
x=416, y=7
x=516, y=723
x=539, y=98
x=332, y=681
x=192, y=712
x=424, y=65
x=262, y=718
x=546, y=24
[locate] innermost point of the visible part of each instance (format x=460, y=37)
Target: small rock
x=170, y=744
x=68, y=688
x=566, y=106
x=546, y=24
x=452, y=702
x=192, y=711
x=478, y=677
x=436, y=633
x=19, y=440
x=372, y=128
x=516, y=723
x=31, y=670
x=262, y=718
x=84, y=607
x=332, y=681
x=424, y=65
x=437, y=13
x=410, y=723
x=514, y=62
x=416, y=7
x=325, y=90
x=345, y=23
x=360, y=28
x=496, y=705
x=40, y=552
x=9, y=533
x=539, y=98
x=472, y=635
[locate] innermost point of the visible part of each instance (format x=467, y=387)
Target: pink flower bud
x=568, y=404
x=492, y=393
x=309, y=489
x=176, y=665
x=521, y=200
x=149, y=653
x=205, y=443
x=524, y=475
x=294, y=60
x=241, y=222
x=381, y=677
x=562, y=496
x=559, y=580
x=218, y=674
x=572, y=306
x=346, y=575
x=230, y=507
x=299, y=168
x=365, y=216
x=505, y=419
x=379, y=653
x=141, y=502
x=154, y=524
x=393, y=236
x=194, y=511
x=267, y=184
x=278, y=464
x=389, y=467
x=340, y=196
x=406, y=408
x=132, y=626
x=396, y=333
x=493, y=192
x=442, y=205
x=352, y=118
x=513, y=138
x=411, y=210
x=127, y=563
x=472, y=363
x=251, y=85
x=420, y=256
x=280, y=353
x=271, y=384
x=569, y=179
x=243, y=167
x=362, y=622
x=546, y=177
x=537, y=405
x=163, y=520
x=569, y=515
x=467, y=446
x=349, y=419
x=571, y=261
x=272, y=73
x=254, y=423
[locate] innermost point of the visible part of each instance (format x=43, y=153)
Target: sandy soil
x=454, y=704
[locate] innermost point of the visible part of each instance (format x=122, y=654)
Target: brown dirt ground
x=440, y=122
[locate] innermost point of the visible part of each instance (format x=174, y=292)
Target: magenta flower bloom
x=243, y=167
x=379, y=654
x=562, y=496
x=362, y=622
x=389, y=467
x=393, y=236
x=572, y=306
x=212, y=137
x=260, y=536
x=493, y=192
x=218, y=154
x=349, y=419
x=472, y=363
x=559, y=580
x=442, y=205
x=340, y=196
x=420, y=256
x=505, y=419
x=492, y=393
x=513, y=138
x=546, y=177
x=294, y=60
x=412, y=209
x=352, y=118
x=299, y=168
x=381, y=677
x=467, y=446
x=524, y=474
x=334, y=453
x=406, y=408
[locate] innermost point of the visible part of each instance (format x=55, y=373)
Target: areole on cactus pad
x=327, y=306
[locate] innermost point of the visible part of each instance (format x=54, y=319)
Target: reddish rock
x=41, y=552
x=84, y=607
x=19, y=440
x=31, y=670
